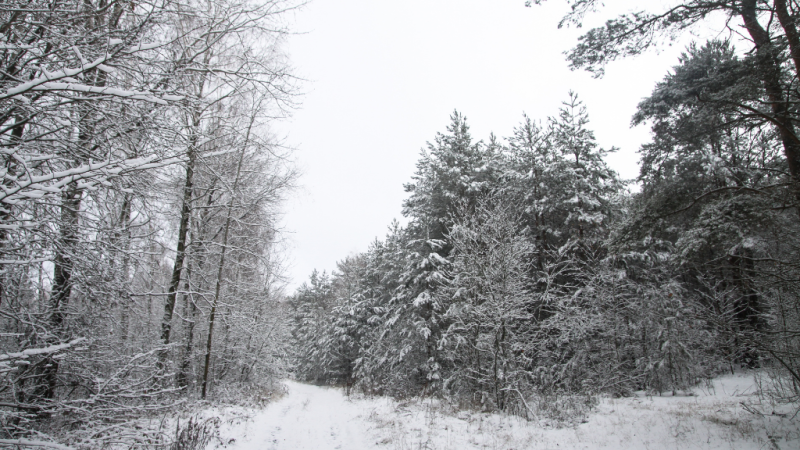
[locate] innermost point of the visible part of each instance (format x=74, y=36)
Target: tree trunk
x=199, y=253
x=180, y=250
x=63, y=263
x=186, y=213
x=182, y=379
x=221, y=266
x=770, y=72
x=122, y=240
x=5, y=209
x=62, y=286
x=790, y=29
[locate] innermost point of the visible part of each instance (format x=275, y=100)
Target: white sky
x=384, y=77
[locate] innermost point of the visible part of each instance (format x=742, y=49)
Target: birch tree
x=225, y=50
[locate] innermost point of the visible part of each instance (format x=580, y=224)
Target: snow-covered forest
x=140, y=191
x=530, y=274
x=141, y=274
x=528, y=271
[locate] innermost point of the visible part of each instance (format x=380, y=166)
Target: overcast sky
x=383, y=78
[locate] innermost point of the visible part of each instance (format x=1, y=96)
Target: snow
x=36, y=187
x=711, y=417
x=6, y=357
x=308, y=417
x=122, y=93
x=50, y=76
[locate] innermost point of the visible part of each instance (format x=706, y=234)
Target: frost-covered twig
x=31, y=443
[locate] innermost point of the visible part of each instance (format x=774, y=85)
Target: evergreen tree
x=452, y=169
x=713, y=191
x=312, y=333
x=588, y=187
x=490, y=322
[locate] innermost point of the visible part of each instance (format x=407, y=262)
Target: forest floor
x=710, y=417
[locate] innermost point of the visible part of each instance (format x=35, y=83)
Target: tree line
x=528, y=273
x=139, y=262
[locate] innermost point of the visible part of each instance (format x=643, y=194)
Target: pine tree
x=488, y=297
x=312, y=331
x=588, y=186
x=452, y=169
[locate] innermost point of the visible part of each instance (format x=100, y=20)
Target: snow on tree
x=92, y=104
x=488, y=294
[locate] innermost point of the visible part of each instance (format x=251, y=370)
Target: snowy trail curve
x=308, y=417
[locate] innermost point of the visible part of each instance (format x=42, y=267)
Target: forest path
x=308, y=417
x=711, y=418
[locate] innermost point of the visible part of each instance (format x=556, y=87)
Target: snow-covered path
x=320, y=418
x=308, y=417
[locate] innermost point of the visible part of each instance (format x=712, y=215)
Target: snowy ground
x=311, y=417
